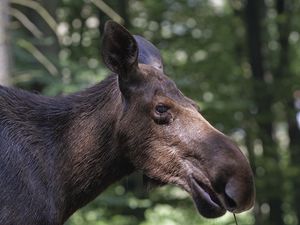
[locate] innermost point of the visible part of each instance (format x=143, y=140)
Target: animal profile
x=59, y=153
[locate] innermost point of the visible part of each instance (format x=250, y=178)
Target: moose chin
x=59, y=153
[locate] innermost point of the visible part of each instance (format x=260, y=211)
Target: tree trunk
x=284, y=10
x=294, y=134
x=123, y=11
x=263, y=99
x=4, y=44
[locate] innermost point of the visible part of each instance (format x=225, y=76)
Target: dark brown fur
x=57, y=154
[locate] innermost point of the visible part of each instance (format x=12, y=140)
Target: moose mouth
x=206, y=200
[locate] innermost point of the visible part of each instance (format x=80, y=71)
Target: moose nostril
x=232, y=196
x=238, y=196
x=229, y=202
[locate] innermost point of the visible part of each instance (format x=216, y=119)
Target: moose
x=59, y=153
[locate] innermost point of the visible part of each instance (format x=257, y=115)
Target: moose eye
x=161, y=108
x=162, y=114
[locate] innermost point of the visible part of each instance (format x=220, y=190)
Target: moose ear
x=120, y=50
x=148, y=53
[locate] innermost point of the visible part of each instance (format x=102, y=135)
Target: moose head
x=164, y=135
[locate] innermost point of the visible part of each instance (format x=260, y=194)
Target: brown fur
x=57, y=154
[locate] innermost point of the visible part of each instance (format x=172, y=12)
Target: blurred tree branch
x=39, y=56
x=108, y=11
x=23, y=19
x=38, y=8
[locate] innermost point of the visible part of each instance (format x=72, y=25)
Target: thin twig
x=235, y=219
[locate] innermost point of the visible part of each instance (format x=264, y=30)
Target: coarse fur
x=46, y=144
x=59, y=153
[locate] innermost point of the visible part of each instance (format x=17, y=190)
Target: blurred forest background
x=239, y=59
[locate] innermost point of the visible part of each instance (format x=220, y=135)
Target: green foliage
x=166, y=206
x=204, y=44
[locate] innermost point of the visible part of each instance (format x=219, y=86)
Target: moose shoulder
x=57, y=154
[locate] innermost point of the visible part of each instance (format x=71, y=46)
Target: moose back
x=59, y=153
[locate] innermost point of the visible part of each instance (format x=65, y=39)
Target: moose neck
x=94, y=159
